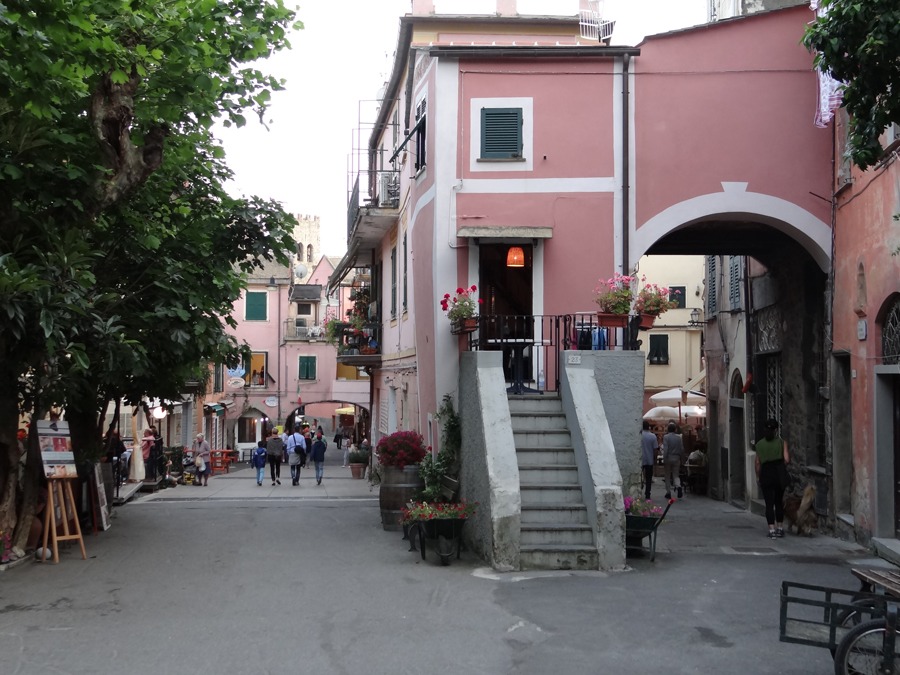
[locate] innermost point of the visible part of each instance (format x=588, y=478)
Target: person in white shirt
x=345, y=446
x=296, y=449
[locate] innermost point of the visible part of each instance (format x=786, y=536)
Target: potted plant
x=651, y=301
x=399, y=455
x=642, y=519
x=439, y=522
x=614, y=297
x=462, y=310
x=359, y=460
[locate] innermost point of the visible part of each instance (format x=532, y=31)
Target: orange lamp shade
x=515, y=257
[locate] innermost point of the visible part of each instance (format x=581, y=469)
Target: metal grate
x=890, y=336
x=773, y=388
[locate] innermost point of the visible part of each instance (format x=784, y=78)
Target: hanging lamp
x=515, y=257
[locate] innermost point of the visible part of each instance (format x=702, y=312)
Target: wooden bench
x=219, y=462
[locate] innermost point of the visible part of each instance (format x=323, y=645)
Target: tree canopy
x=121, y=253
x=859, y=44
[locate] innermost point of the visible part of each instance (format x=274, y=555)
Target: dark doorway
x=896, y=411
x=736, y=453
x=507, y=293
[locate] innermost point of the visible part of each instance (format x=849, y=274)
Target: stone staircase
x=555, y=532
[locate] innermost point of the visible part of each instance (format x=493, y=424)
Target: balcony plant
x=651, y=301
x=614, y=297
x=462, y=310
x=442, y=523
x=359, y=460
x=399, y=455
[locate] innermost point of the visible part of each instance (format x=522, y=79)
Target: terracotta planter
x=358, y=470
x=462, y=326
x=612, y=320
x=647, y=321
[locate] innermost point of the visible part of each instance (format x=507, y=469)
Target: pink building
x=292, y=371
x=509, y=135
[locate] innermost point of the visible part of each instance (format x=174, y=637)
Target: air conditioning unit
x=300, y=323
x=373, y=311
x=388, y=190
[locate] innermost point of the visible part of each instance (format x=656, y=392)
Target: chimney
x=422, y=7
x=507, y=8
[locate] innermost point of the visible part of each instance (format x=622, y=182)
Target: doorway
x=736, y=454
x=505, y=272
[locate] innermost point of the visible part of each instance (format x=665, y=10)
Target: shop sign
x=56, y=449
x=236, y=382
x=271, y=402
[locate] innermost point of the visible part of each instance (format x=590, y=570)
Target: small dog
x=800, y=513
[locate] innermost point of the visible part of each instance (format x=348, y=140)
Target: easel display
x=59, y=468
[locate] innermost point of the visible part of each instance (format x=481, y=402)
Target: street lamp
x=695, y=318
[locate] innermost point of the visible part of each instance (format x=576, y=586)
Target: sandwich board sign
x=56, y=449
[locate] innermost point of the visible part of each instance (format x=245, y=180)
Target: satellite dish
x=300, y=271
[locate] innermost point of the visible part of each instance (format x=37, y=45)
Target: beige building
x=673, y=346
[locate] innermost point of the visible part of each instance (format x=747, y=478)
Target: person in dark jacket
x=258, y=461
x=317, y=456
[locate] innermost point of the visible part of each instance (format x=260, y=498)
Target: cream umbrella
x=679, y=396
x=661, y=414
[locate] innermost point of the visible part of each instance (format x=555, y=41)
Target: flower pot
x=358, y=470
x=446, y=532
x=462, y=326
x=398, y=486
x=612, y=320
x=647, y=321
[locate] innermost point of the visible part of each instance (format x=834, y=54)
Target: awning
x=345, y=411
x=342, y=270
x=214, y=408
x=696, y=381
x=306, y=293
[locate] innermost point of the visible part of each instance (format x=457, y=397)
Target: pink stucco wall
x=731, y=102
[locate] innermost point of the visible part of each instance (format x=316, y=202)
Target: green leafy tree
x=859, y=44
x=116, y=237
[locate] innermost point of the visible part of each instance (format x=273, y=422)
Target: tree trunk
x=86, y=439
x=9, y=449
x=34, y=468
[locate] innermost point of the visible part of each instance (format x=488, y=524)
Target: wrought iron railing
x=352, y=341
x=531, y=344
x=296, y=329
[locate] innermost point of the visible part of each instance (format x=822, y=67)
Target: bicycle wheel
x=861, y=652
x=853, y=617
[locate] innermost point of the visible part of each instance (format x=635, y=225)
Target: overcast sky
x=344, y=55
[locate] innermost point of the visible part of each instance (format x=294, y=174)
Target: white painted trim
x=421, y=203
x=618, y=192
x=482, y=186
x=527, y=106
x=255, y=290
x=734, y=204
x=445, y=110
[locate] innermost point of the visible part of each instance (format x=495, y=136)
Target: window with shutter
x=255, y=306
x=501, y=133
x=712, y=281
x=734, y=281
x=307, y=368
x=659, y=350
x=394, y=282
x=219, y=379
x=421, y=139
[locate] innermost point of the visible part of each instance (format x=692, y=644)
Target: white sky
x=344, y=55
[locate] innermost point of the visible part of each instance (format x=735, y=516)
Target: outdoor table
x=518, y=346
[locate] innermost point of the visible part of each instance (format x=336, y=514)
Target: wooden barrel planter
x=398, y=487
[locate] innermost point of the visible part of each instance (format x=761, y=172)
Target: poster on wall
x=382, y=418
x=56, y=449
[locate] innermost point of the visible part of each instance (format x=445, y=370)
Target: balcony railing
x=372, y=189
x=354, y=344
x=296, y=329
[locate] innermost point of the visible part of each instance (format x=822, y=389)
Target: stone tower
x=307, y=236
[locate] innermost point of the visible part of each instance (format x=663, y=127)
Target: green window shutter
x=405, y=266
x=501, y=133
x=307, y=368
x=394, y=282
x=311, y=368
x=256, y=306
x=712, y=305
x=659, y=350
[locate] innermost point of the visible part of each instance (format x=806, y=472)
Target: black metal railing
x=531, y=344
x=382, y=191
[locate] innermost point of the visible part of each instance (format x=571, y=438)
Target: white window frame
x=527, y=161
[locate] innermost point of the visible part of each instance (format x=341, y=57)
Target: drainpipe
x=626, y=168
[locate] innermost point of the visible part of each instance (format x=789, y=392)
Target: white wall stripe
x=536, y=185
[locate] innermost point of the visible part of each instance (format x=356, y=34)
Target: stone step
x=558, y=514
x=541, y=421
x=547, y=493
x=559, y=557
x=546, y=533
x=555, y=438
x=535, y=404
x=527, y=456
x=548, y=473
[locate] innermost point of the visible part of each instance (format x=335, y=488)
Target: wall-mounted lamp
x=159, y=413
x=272, y=286
x=515, y=257
x=695, y=318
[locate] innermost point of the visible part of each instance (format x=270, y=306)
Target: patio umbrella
x=693, y=411
x=678, y=396
x=661, y=414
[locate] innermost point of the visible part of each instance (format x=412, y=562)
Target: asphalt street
x=237, y=578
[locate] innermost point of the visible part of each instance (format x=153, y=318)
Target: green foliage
x=859, y=44
x=359, y=457
x=446, y=462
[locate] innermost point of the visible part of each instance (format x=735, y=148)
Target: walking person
x=772, y=477
x=649, y=446
x=275, y=454
x=296, y=452
x=317, y=455
x=258, y=461
x=673, y=451
x=203, y=451
x=345, y=445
